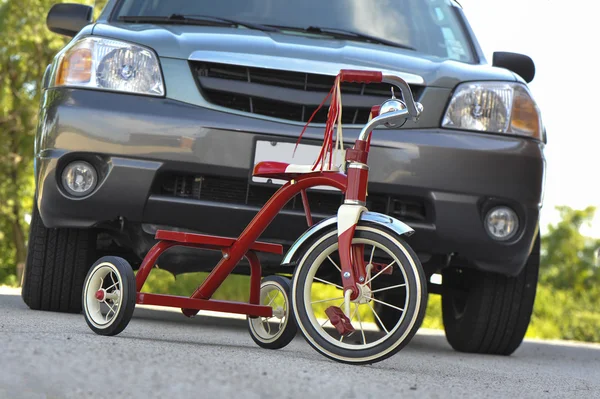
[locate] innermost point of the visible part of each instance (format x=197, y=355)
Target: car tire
x=57, y=263
x=487, y=312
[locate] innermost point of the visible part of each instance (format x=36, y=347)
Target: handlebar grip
x=358, y=76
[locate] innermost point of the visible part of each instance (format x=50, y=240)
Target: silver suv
x=153, y=116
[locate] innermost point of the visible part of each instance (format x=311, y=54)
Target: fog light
x=502, y=223
x=79, y=178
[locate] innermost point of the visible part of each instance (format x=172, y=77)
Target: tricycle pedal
x=340, y=321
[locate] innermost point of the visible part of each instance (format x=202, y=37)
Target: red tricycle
x=343, y=265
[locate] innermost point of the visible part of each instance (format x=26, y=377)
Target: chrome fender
x=379, y=219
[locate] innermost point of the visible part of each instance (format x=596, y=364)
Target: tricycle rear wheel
x=109, y=295
x=276, y=331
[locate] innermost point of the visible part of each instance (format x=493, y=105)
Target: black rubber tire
x=407, y=329
x=290, y=329
x=56, y=265
x=487, y=312
x=128, y=292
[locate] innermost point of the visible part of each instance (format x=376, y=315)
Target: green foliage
x=568, y=295
x=433, y=316
x=235, y=288
x=26, y=48
x=565, y=314
x=567, y=256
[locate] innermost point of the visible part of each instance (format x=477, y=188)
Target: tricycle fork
x=353, y=268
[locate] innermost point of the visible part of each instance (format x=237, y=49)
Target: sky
x=561, y=38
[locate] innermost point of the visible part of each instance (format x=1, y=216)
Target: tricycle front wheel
x=392, y=267
x=109, y=294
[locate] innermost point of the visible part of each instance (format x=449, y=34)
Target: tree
x=26, y=48
x=568, y=257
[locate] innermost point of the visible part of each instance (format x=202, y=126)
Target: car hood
x=236, y=45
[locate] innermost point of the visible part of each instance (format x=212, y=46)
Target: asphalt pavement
x=163, y=354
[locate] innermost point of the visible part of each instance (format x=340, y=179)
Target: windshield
x=431, y=27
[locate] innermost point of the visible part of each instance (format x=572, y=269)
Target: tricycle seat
x=213, y=242
x=285, y=171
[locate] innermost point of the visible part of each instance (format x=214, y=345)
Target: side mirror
x=520, y=64
x=68, y=19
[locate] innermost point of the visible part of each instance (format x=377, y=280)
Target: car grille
x=239, y=191
x=285, y=95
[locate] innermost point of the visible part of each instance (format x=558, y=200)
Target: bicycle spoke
x=268, y=296
x=327, y=300
x=362, y=331
x=388, y=304
x=381, y=271
x=354, y=314
x=271, y=301
x=111, y=310
x=281, y=323
x=114, y=285
x=388, y=288
x=377, y=316
x=328, y=282
x=372, y=253
x=336, y=266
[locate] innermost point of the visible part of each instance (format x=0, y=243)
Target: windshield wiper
x=346, y=34
x=194, y=20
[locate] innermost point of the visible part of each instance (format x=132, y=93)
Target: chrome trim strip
x=291, y=64
x=354, y=202
x=358, y=165
x=388, y=222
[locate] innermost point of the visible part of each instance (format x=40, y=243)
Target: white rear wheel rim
x=269, y=329
x=102, y=314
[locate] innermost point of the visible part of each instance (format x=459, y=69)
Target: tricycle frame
x=353, y=185
x=233, y=251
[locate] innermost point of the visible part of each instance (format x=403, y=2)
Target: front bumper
x=134, y=140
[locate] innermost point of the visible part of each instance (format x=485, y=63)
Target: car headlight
x=494, y=107
x=107, y=64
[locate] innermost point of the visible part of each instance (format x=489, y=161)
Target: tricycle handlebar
x=360, y=76
x=413, y=109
